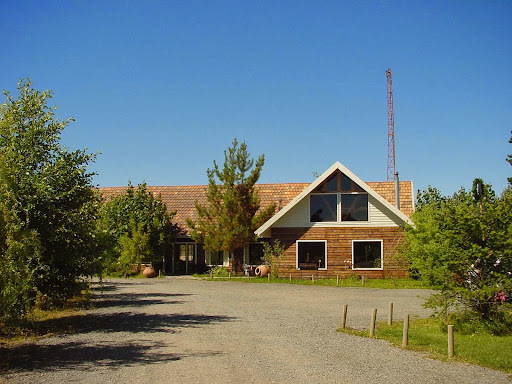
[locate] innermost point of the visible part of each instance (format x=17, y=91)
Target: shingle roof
x=387, y=190
x=182, y=198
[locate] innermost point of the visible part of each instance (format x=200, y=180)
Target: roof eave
x=336, y=166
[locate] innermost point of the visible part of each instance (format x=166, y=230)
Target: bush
x=272, y=257
x=463, y=245
x=219, y=271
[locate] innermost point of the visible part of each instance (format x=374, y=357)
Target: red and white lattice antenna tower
x=391, y=129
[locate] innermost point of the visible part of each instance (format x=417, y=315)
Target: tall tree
x=233, y=211
x=48, y=198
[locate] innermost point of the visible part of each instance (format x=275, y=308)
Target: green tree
x=463, y=245
x=136, y=227
x=233, y=211
x=48, y=203
x=134, y=247
x=19, y=249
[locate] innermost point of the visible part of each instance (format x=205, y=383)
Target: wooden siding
x=378, y=216
x=339, y=250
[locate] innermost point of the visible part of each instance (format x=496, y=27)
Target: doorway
x=185, y=258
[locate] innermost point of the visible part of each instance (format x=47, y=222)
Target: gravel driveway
x=181, y=330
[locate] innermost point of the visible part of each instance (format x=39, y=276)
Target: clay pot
x=262, y=270
x=149, y=272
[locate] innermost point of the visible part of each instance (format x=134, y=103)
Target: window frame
x=339, y=209
x=338, y=200
x=340, y=213
x=297, y=254
x=381, y=254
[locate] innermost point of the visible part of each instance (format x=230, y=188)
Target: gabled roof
x=336, y=166
x=182, y=198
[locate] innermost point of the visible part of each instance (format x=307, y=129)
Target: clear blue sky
x=161, y=88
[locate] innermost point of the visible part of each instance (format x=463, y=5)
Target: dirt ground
x=182, y=330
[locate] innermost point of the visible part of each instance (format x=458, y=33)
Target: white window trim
x=309, y=241
x=338, y=208
x=381, y=254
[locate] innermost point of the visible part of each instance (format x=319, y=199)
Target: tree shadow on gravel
x=32, y=356
x=106, y=286
x=81, y=356
x=108, y=300
x=126, y=322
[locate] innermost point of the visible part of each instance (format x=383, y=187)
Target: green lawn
x=426, y=335
x=332, y=282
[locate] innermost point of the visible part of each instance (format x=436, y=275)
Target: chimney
x=397, y=191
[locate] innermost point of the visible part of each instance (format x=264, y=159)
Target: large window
x=338, y=199
x=367, y=254
x=323, y=207
x=354, y=207
x=311, y=254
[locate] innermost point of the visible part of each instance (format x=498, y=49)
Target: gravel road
x=182, y=330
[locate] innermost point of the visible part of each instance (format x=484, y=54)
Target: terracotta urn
x=149, y=271
x=262, y=270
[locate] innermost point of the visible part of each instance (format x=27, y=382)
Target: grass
x=351, y=281
x=427, y=335
x=42, y=323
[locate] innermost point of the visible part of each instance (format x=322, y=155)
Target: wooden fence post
x=268, y=276
x=337, y=280
x=451, y=347
x=372, y=323
x=344, y=316
x=230, y=275
x=290, y=277
x=211, y=274
x=405, y=338
x=390, y=314
x=313, y=278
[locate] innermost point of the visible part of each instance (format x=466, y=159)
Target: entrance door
x=184, y=258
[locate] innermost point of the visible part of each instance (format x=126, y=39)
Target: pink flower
x=500, y=296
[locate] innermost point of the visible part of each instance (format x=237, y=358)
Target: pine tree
x=233, y=212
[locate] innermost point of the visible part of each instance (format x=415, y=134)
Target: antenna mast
x=391, y=129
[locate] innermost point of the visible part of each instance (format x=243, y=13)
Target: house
x=337, y=225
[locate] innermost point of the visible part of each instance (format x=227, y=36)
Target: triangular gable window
x=338, y=199
x=338, y=182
